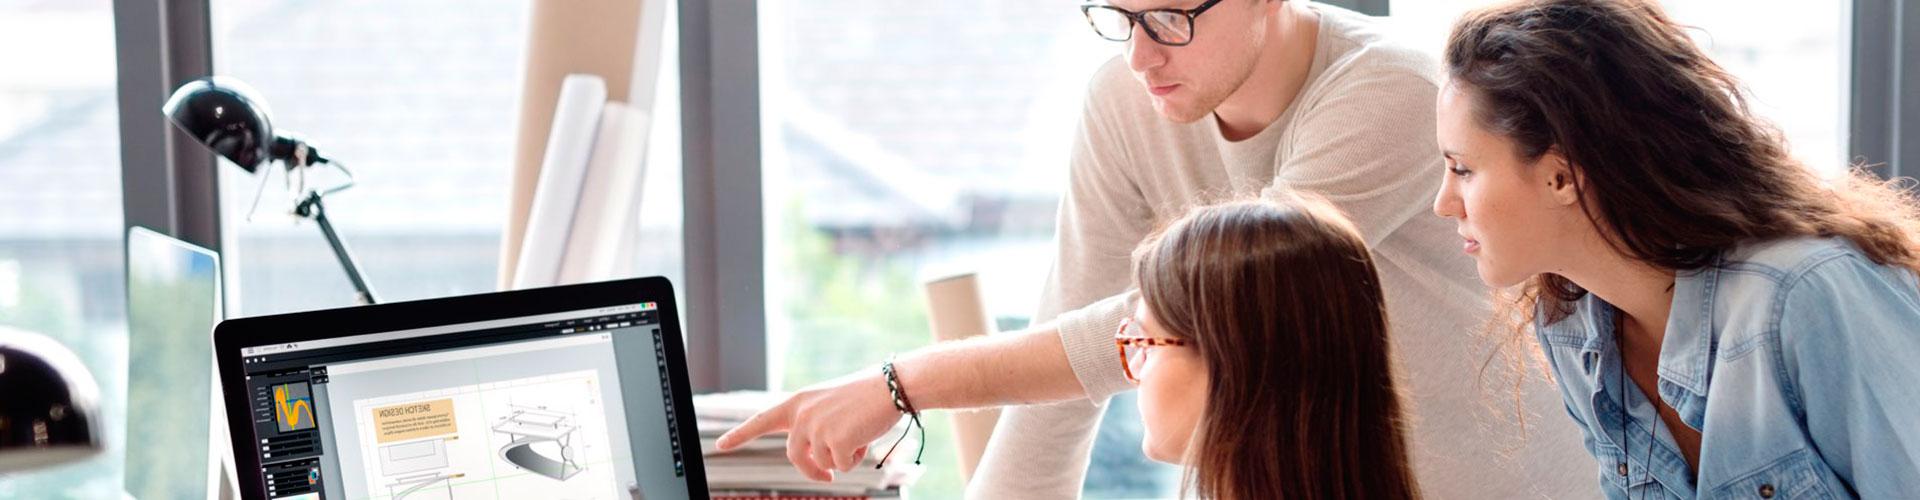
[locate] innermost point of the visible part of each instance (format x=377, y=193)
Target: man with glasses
x=1212, y=101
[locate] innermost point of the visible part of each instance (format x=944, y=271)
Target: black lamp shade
x=225, y=115
x=49, y=404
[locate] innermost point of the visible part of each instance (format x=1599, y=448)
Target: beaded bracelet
x=905, y=406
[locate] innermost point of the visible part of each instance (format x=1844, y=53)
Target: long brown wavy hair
x=1282, y=301
x=1673, y=166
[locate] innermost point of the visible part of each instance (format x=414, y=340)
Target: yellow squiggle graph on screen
x=290, y=412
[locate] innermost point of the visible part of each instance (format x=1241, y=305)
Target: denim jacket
x=1798, y=360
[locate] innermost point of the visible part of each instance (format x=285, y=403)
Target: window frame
x=725, y=247
x=1885, y=60
x=158, y=45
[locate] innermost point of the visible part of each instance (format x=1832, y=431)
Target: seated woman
x=1721, y=320
x=1261, y=352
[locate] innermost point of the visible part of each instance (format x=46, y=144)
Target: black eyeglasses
x=1172, y=27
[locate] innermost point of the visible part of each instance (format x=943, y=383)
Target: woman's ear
x=1561, y=179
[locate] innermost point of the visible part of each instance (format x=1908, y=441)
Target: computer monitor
x=173, y=300
x=567, y=392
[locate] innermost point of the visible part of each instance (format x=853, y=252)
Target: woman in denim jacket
x=1722, y=320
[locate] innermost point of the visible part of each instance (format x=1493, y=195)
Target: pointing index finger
x=763, y=423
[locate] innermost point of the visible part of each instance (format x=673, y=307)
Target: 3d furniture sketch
x=530, y=426
x=408, y=485
x=416, y=465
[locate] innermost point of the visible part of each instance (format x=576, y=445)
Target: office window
x=419, y=99
x=1792, y=56
x=61, y=257
x=907, y=143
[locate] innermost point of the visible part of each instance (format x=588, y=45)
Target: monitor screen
x=565, y=405
x=173, y=300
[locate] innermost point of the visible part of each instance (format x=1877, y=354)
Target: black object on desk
x=50, y=414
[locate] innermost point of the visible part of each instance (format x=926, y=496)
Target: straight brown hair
x=1674, y=168
x=1284, y=305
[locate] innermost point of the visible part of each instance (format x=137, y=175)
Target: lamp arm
x=312, y=208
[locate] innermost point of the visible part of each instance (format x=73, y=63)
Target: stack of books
x=759, y=469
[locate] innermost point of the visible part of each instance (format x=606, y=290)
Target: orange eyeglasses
x=1134, y=346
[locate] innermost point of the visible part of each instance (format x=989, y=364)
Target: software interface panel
x=565, y=405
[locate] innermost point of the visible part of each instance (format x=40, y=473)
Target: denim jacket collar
x=1686, y=352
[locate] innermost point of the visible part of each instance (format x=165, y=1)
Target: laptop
x=568, y=392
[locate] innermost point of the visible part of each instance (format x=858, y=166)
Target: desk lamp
x=49, y=404
x=229, y=118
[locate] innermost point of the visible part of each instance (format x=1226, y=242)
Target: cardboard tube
x=956, y=310
x=564, y=37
